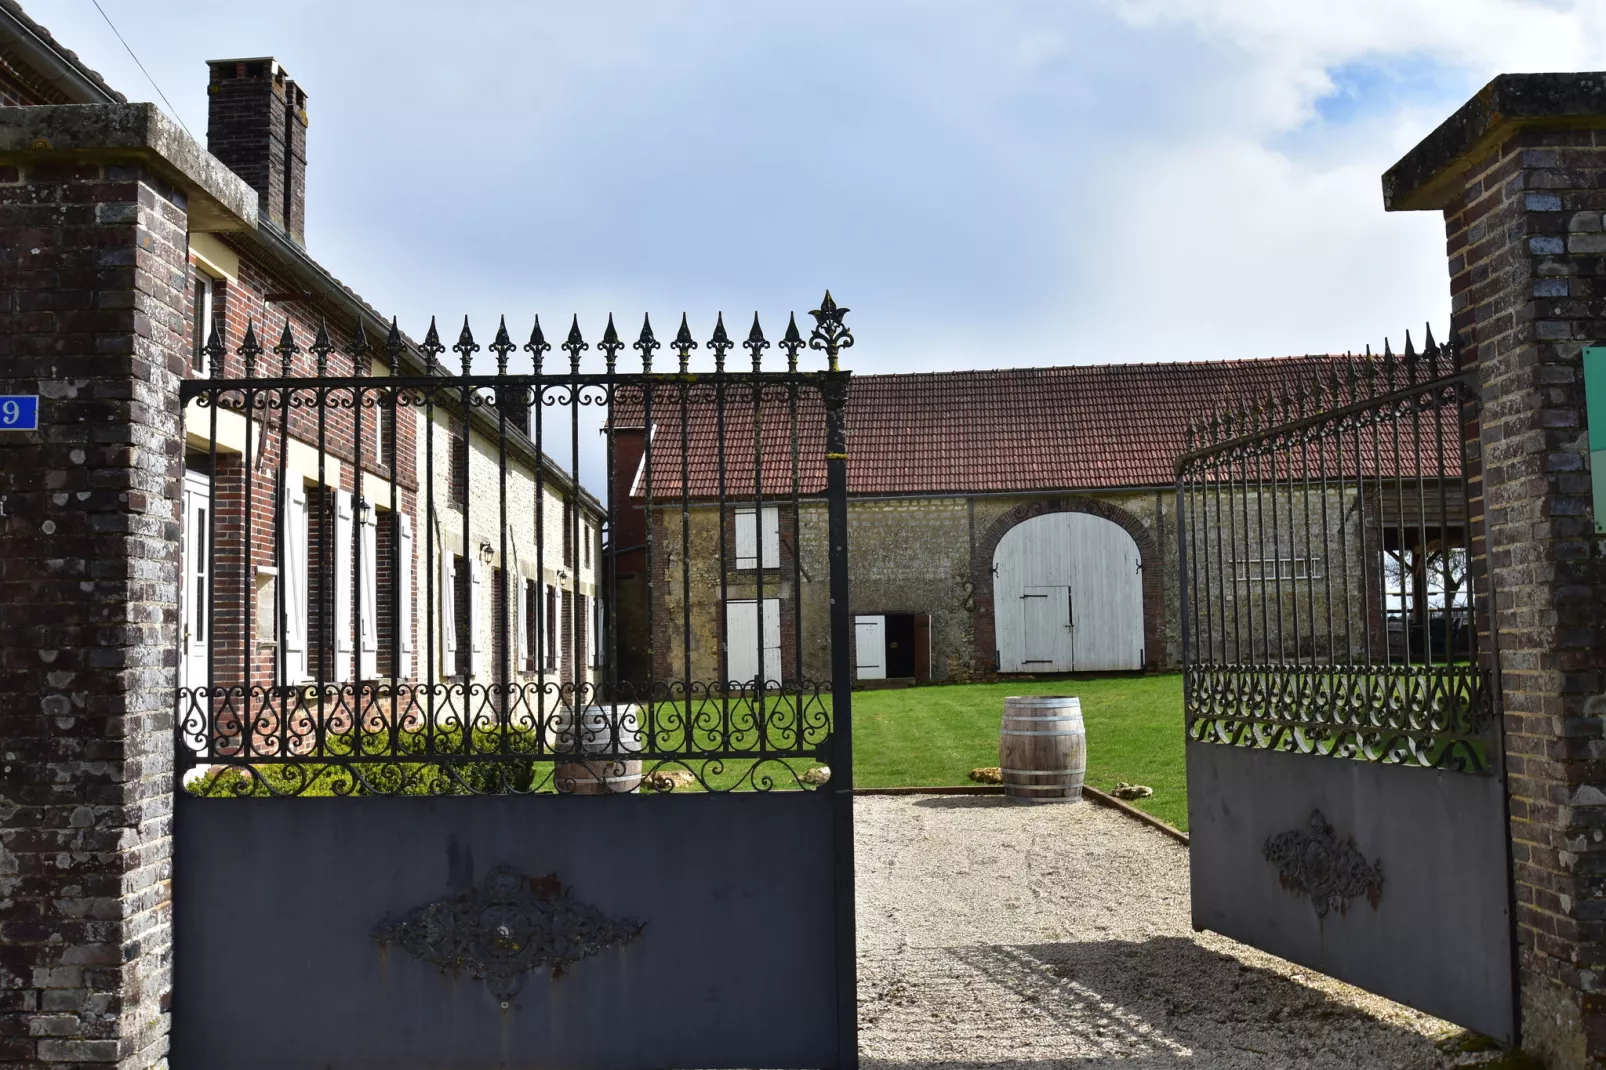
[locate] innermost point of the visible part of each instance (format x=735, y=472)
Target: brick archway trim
x=981, y=572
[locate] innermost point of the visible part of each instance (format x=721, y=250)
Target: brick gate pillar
x=1520, y=175
x=95, y=204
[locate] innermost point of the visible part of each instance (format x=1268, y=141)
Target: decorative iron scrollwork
x=1315, y=862
x=503, y=930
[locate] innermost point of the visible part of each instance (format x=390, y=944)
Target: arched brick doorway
x=981, y=570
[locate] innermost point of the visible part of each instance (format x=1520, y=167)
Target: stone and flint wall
x=923, y=555
x=1519, y=174
x=95, y=202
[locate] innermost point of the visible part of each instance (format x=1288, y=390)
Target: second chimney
x=257, y=125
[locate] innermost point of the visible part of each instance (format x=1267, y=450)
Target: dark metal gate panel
x=1346, y=791
x=1389, y=877
x=734, y=965
x=444, y=801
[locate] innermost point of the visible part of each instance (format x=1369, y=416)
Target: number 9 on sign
x=19, y=412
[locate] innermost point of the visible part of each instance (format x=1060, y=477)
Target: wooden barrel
x=1042, y=749
x=607, y=734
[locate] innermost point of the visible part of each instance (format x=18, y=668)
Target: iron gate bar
x=1399, y=702
x=368, y=719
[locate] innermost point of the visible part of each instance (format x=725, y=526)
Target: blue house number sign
x=19, y=412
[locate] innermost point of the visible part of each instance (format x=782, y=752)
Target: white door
x=197, y=593
x=742, y=642
x=1068, y=596
x=1046, y=630
x=870, y=647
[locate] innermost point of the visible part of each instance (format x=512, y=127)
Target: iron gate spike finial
x=646, y=343
x=432, y=348
x=502, y=346
x=792, y=341
x=610, y=345
x=359, y=348
x=393, y=347
x=720, y=343
x=830, y=333
x=756, y=344
x=321, y=346
x=684, y=343
x=466, y=347
x=215, y=351
x=537, y=345
x=250, y=349
x=287, y=348
x=574, y=345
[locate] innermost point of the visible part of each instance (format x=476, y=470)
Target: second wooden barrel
x=1042, y=749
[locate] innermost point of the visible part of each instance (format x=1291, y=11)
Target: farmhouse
x=1000, y=522
x=351, y=515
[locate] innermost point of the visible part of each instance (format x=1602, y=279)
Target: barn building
x=1001, y=522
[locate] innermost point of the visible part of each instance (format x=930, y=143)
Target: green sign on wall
x=1595, y=400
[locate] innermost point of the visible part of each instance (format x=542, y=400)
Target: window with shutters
x=457, y=491
x=462, y=664
x=568, y=534
x=205, y=312
x=532, y=626
x=553, y=622
x=755, y=533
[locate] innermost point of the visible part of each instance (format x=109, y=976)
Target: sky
x=990, y=183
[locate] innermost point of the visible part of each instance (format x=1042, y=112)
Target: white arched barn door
x=1068, y=596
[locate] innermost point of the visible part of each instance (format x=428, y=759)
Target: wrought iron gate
x=1345, y=768
x=432, y=814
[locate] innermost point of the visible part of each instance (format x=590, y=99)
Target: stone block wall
x=922, y=555
x=92, y=317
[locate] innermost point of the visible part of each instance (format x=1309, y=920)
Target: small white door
x=742, y=641
x=870, y=646
x=1046, y=630
x=197, y=594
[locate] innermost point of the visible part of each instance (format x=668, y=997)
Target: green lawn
x=921, y=736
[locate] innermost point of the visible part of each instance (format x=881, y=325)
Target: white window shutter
x=341, y=624
x=741, y=643
x=295, y=582
x=746, y=539
x=404, y=598
x=772, y=538
x=476, y=605
x=522, y=608
x=368, y=596
x=448, y=615
x=772, y=642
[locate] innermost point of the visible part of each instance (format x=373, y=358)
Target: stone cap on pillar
x=218, y=198
x=1430, y=175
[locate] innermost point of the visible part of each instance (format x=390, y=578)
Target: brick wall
x=92, y=262
x=1519, y=174
x=1528, y=273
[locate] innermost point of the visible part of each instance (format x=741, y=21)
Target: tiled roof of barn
x=1080, y=427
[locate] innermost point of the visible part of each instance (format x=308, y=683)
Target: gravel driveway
x=1013, y=936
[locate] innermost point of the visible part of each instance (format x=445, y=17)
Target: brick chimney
x=257, y=125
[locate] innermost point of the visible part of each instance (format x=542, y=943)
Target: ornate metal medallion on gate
x=500, y=932
x=1315, y=862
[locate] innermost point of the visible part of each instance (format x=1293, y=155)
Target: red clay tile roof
x=1084, y=427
